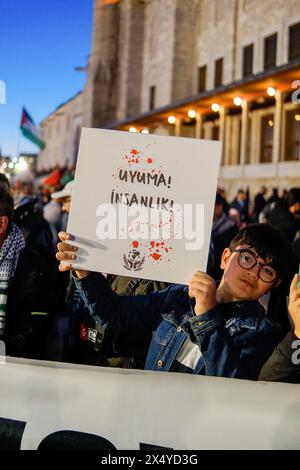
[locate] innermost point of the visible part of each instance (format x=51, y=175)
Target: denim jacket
x=235, y=338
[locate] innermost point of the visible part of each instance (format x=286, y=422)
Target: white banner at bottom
x=45, y=405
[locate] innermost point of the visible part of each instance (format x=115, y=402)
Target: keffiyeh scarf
x=9, y=255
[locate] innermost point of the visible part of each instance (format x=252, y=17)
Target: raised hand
x=294, y=304
x=66, y=254
x=202, y=287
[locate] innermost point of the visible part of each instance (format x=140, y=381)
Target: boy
x=223, y=331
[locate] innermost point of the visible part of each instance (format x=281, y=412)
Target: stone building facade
x=152, y=59
x=61, y=133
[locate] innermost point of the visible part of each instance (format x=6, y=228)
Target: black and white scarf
x=9, y=255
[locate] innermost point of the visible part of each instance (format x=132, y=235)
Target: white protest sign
x=55, y=405
x=142, y=205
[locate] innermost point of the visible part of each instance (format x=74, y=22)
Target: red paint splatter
x=152, y=244
x=166, y=250
x=155, y=256
x=134, y=151
x=135, y=244
x=149, y=160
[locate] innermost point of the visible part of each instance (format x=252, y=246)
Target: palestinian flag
x=29, y=130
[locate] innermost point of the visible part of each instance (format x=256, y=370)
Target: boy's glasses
x=247, y=260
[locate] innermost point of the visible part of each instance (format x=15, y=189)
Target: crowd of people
x=240, y=318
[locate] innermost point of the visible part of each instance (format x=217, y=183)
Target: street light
x=192, y=113
x=237, y=100
x=171, y=119
x=215, y=107
x=271, y=91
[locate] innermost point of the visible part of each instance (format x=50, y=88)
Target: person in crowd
x=274, y=196
x=259, y=203
x=64, y=196
x=240, y=203
x=88, y=343
x=284, y=363
x=203, y=329
x=285, y=216
x=222, y=193
x=296, y=243
x=27, y=289
x=28, y=216
x=235, y=216
x=223, y=231
x=62, y=199
x=52, y=213
x=57, y=211
x=269, y=206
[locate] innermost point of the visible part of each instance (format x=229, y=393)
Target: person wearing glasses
x=202, y=328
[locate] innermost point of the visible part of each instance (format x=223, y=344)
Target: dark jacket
x=284, y=364
x=28, y=216
x=90, y=343
x=30, y=305
x=281, y=218
x=259, y=204
x=242, y=207
x=235, y=338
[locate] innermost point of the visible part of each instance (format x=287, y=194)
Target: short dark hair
x=269, y=244
x=292, y=196
x=6, y=203
x=219, y=199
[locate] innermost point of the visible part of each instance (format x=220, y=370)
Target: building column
x=244, y=134
x=177, y=127
x=222, y=132
x=279, y=97
x=199, y=121
x=208, y=134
